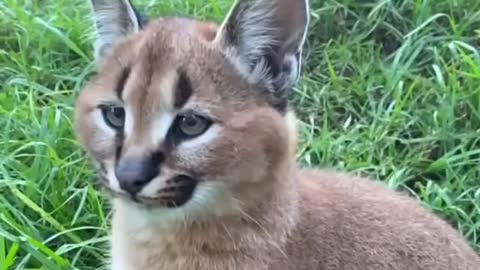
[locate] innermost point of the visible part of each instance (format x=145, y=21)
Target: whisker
x=273, y=242
x=230, y=236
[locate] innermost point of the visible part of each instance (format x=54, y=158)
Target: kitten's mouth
x=177, y=192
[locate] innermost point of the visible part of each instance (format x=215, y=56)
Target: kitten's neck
x=263, y=228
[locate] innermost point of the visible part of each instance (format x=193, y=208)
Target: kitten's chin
x=208, y=201
x=150, y=203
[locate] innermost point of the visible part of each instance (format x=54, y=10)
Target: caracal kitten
x=191, y=130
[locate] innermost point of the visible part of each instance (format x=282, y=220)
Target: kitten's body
x=190, y=125
x=334, y=222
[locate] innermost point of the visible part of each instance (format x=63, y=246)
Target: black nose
x=134, y=174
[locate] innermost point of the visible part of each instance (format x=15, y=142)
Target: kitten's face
x=174, y=122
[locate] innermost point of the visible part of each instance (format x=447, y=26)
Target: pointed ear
x=114, y=19
x=264, y=40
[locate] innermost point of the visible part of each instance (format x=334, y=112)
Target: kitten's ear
x=264, y=40
x=114, y=19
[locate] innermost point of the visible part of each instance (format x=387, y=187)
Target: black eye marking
x=183, y=90
x=121, y=82
x=119, y=148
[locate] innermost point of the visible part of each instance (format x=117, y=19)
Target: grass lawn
x=391, y=89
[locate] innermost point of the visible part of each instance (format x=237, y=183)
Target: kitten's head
x=186, y=115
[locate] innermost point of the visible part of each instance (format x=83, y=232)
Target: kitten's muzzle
x=135, y=173
x=179, y=191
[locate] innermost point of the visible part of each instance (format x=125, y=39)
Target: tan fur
x=258, y=209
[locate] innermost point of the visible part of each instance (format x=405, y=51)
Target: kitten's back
x=349, y=222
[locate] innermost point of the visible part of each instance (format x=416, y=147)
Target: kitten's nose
x=134, y=174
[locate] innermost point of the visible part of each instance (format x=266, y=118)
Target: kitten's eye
x=193, y=125
x=114, y=116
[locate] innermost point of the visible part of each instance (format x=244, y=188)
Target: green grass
x=391, y=89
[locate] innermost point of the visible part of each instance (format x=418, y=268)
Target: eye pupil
x=190, y=121
x=117, y=112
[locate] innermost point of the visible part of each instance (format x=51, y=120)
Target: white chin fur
x=210, y=199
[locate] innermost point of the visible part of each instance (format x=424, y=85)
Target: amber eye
x=114, y=116
x=193, y=125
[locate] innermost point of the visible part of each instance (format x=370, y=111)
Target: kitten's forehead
x=151, y=98
x=162, y=43
x=154, y=66
x=148, y=98
x=152, y=92
x=169, y=63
